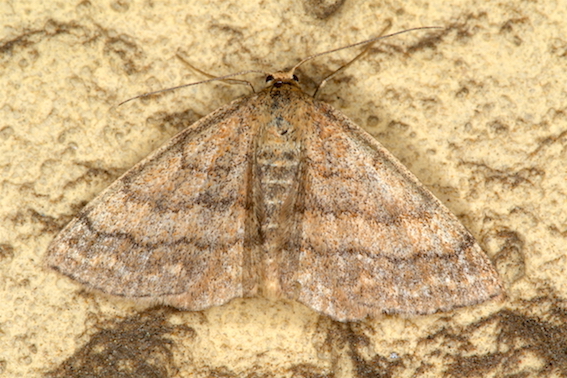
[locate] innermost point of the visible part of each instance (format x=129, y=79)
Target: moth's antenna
x=191, y=84
x=369, y=42
x=233, y=81
x=344, y=66
x=362, y=43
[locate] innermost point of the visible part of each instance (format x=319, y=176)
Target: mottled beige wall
x=477, y=113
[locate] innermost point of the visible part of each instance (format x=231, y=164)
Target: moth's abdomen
x=277, y=165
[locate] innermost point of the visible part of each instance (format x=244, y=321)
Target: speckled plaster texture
x=477, y=111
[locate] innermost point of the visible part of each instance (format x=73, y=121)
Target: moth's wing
x=369, y=238
x=172, y=228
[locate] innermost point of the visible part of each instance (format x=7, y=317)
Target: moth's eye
x=269, y=78
x=295, y=77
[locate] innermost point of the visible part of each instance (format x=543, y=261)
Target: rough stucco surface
x=476, y=111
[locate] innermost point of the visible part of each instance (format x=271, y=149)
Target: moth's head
x=281, y=78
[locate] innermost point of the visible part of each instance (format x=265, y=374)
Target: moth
x=276, y=194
